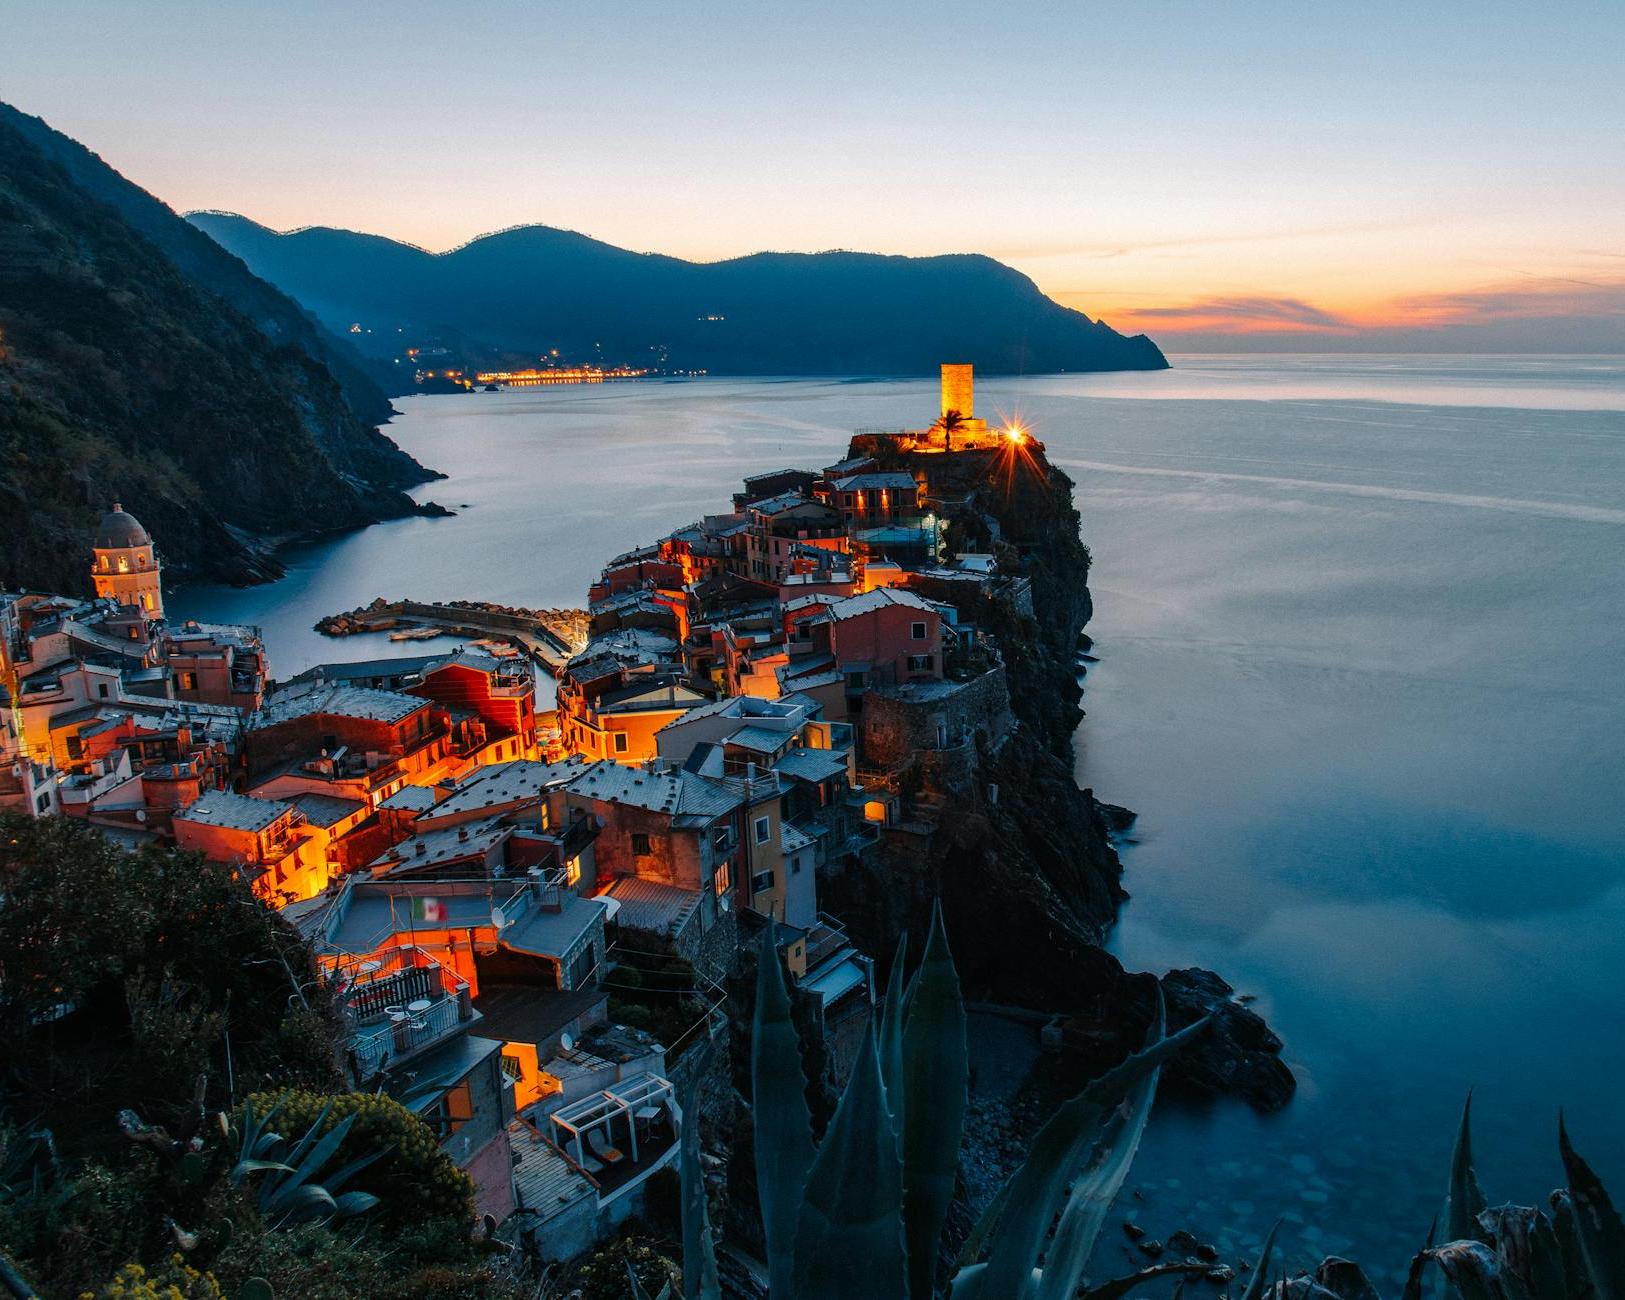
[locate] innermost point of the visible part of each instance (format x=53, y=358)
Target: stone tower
x=126, y=566
x=959, y=390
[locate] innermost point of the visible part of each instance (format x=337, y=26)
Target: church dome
x=120, y=531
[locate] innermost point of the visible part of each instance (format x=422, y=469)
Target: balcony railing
x=401, y=1003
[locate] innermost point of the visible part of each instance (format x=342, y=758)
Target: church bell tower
x=126, y=566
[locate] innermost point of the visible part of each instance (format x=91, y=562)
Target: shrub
x=416, y=1181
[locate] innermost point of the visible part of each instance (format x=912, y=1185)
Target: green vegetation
x=121, y=377
x=170, y=1109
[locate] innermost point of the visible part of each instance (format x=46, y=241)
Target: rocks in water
x=1220, y=1273
x=1132, y=1230
x=1238, y=1056
x=1207, y=1252
x=1182, y=1241
x=1153, y=1248
x=1116, y=817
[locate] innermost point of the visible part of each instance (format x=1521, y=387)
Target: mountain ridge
x=141, y=362
x=527, y=289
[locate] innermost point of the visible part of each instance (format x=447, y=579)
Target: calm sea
x=1361, y=624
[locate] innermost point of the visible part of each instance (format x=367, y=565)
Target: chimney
x=421, y=848
x=959, y=390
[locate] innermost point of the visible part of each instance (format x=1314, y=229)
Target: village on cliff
x=766, y=699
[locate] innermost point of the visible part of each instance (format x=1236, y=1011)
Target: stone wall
x=899, y=721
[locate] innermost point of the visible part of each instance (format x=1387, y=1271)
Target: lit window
x=124, y=564
x=572, y=872
x=721, y=880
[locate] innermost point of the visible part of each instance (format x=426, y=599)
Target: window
x=640, y=844
x=856, y=679
x=452, y=1111
x=795, y=865
x=721, y=839
x=722, y=880
x=572, y=871
x=920, y=663
x=124, y=564
x=917, y=631
x=763, y=830
x=189, y=681
x=620, y=742
x=101, y=689
x=761, y=882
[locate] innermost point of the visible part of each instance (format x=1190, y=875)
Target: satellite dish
x=141, y=815
x=497, y=918
x=567, y=1041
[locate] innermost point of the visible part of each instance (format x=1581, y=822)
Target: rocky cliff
x=1020, y=855
x=139, y=362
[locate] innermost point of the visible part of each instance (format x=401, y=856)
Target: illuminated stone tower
x=959, y=390
x=126, y=567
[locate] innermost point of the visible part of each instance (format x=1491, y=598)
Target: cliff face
x=122, y=376
x=1021, y=857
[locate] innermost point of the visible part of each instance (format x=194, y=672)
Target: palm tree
x=947, y=423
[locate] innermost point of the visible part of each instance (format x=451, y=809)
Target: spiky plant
x=861, y=1214
x=283, y=1175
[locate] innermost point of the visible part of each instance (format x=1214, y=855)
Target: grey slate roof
x=651, y=905
x=233, y=811
x=312, y=698
x=690, y=799
x=811, y=764
x=325, y=809
x=504, y=783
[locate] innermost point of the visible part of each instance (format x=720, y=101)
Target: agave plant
x=861, y=1214
x=288, y=1189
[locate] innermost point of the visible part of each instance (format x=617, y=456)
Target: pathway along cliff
x=1020, y=856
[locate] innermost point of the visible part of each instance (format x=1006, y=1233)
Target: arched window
x=124, y=564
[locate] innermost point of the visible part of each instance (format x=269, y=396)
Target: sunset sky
x=1358, y=176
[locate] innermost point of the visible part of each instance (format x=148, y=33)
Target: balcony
x=400, y=1004
x=620, y=1135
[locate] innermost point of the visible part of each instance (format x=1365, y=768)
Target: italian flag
x=428, y=909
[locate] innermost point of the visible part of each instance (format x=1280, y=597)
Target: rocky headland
x=1021, y=856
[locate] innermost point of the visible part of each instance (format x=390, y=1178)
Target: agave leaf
x=1344, y=1279
x=638, y=1293
x=342, y=1175
x=1094, y=1190
x=967, y=1283
x=1472, y=1269
x=1419, y=1263
x=1257, y=1282
x=935, y=1067
x=891, y=1037
x=1597, y=1226
x=353, y=1203
x=849, y=1239
x=309, y=1202
x=699, y=1250
x=1576, y=1276
x=984, y=1225
x=312, y=1136
x=317, y=1155
x=1464, y=1201
x=1121, y=1286
x=1036, y=1188
x=1528, y=1250
x=782, y=1121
